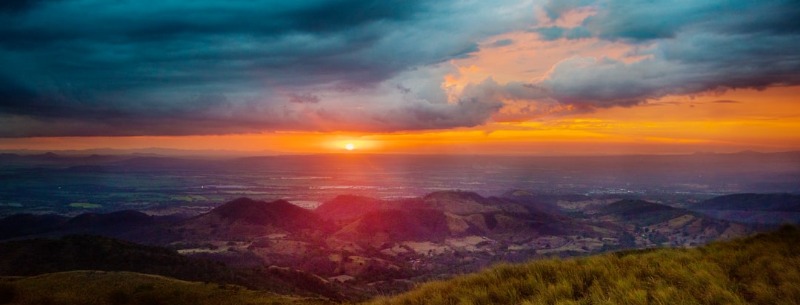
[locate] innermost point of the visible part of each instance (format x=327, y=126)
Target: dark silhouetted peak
x=256, y=211
x=517, y=193
x=633, y=207
x=278, y=213
x=753, y=202
x=644, y=212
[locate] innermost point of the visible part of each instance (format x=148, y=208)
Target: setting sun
x=349, y=146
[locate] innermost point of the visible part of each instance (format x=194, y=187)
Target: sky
x=450, y=76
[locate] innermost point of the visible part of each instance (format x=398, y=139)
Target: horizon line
x=222, y=153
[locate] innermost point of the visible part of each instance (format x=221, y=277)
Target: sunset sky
x=477, y=77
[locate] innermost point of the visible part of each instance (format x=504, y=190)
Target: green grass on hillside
x=117, y=288
x=764, y=269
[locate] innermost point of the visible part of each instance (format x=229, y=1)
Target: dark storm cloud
x=136, y=44
x=637, y=20
x=95, y=67
x=14, y=6
x=53, y=21
x=212, y=67
x=688, y=46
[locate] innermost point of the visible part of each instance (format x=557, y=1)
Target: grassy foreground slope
x=102, y=287
x=763, y=269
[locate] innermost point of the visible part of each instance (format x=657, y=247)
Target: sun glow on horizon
x=735, y=120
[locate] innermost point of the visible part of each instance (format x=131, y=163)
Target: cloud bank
x=218, y=67
x=688, y=47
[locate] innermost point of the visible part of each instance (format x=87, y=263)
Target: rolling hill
x=245, y=218
x=504, y=216
x=102, y=288
x=126, y=224
x=643, y=213
x=654, y=224
x=763, y=269
x=84, y=252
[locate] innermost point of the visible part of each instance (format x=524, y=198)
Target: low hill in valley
x=245, y=217
x=654, y=224
x=642, y=212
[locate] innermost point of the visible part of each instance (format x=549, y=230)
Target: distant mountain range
x=370, y=246
x=438, y=215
